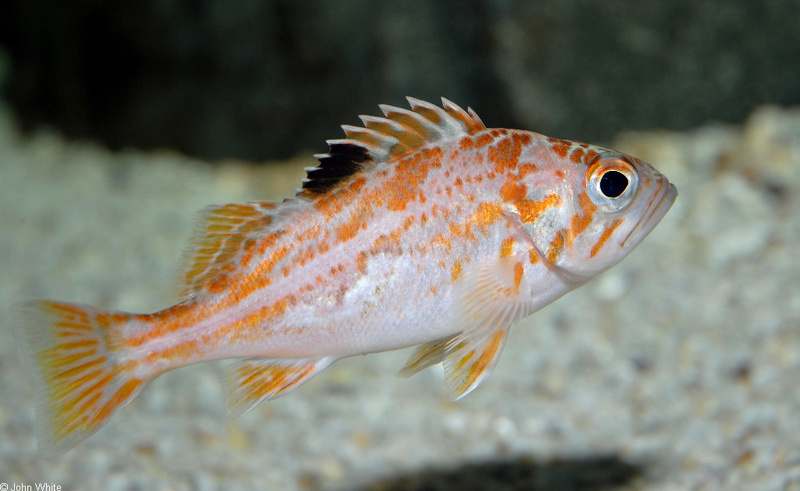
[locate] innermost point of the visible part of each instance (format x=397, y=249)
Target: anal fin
x=252, y=380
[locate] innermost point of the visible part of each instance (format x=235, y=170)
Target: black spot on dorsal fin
x=342, y=161
x=381, y=139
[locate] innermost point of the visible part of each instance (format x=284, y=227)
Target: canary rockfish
x=421, y=228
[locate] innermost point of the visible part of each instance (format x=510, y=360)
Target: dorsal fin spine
x=374, y=150
x=410, y=118
x=427, y=110
x=390, y=126
x=470, y=120
x=373, y=137
x=406, y=136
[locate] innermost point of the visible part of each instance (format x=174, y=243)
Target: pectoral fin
x=252, y=380
x=489, y=299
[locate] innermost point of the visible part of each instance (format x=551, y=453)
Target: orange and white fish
x=421, y=228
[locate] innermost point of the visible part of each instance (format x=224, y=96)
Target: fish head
x=612, y=207
x=584, y=215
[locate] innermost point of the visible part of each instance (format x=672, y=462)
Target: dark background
x=267, y=79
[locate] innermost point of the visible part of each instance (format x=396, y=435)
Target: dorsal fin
x=383, y=138
x=224, y=237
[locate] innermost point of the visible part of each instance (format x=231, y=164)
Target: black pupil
x=613, y=183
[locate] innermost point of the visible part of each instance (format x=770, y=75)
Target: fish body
x=421, y=228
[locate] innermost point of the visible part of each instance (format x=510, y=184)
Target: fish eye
x=611, y=184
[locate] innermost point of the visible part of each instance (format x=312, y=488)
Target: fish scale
x=421, y=228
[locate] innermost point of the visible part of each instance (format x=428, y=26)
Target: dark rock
x=262, y=79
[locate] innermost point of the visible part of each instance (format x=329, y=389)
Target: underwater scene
x=228, y=228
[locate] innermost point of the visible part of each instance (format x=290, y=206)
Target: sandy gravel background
x=678, y=369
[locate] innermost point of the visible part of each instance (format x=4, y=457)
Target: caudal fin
x=71, y=351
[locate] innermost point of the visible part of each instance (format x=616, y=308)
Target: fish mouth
x=658, y=207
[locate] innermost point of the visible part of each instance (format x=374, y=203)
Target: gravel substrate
x=678, y=369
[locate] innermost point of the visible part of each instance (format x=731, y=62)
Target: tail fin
x=70, y=350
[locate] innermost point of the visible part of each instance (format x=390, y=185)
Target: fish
x=421, y=227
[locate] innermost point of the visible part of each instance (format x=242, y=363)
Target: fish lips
x=662, y=201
